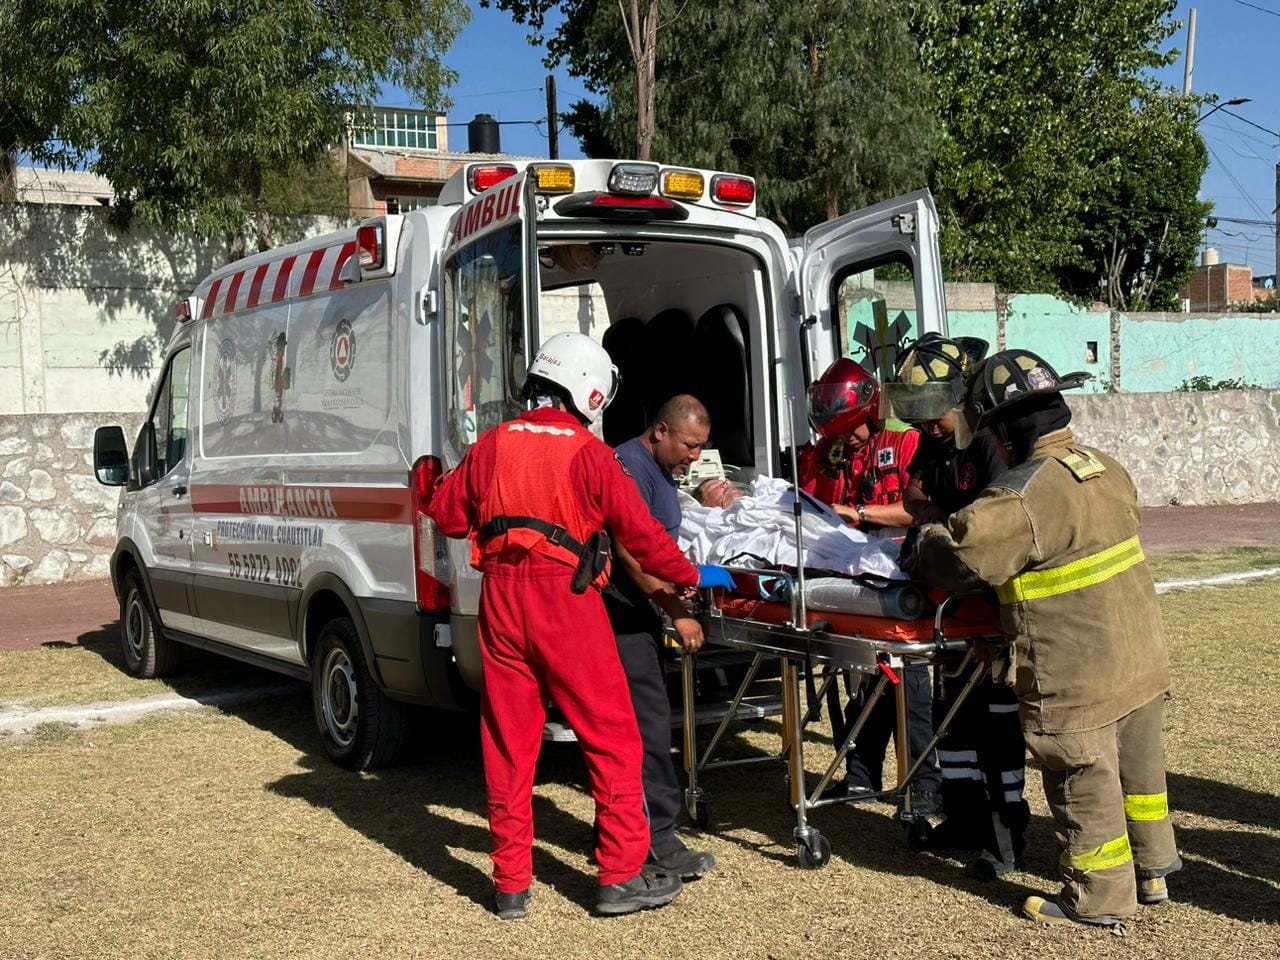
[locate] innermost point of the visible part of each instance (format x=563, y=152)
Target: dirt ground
x=81, y=612
x=227, y=833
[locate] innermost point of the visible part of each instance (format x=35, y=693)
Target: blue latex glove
x=710, y=576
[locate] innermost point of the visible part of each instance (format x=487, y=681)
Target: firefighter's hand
x=690, y=632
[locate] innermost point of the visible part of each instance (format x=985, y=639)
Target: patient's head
x=717, y=492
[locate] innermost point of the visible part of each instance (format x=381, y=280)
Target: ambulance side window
x=483, y=293
x=169, y=416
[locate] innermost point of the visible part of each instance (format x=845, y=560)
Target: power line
x=1238, y=185
x=1254, y=6
x=1256, y=126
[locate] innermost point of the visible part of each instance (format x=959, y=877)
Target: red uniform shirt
x=878, y=473
x=604, y=495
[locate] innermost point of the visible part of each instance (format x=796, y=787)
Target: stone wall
x=57, y=523
x=1219, y=446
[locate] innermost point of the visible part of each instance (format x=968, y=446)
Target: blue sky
x=502, y=74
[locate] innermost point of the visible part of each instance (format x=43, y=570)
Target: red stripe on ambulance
x=305, y=502
x=255, y=288
x=309, y=274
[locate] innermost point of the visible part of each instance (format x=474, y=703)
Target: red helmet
x=843, y=399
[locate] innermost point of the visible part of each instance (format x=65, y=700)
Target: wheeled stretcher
x=814, y=650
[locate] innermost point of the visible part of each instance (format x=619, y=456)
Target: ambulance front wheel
x=148, y=653
x=361, y=727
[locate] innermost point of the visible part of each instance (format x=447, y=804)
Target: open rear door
x=489, y=274
x=869, y=281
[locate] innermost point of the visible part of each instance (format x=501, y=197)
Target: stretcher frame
x=799, y=648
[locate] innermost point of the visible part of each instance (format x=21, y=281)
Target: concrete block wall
x=57, y=523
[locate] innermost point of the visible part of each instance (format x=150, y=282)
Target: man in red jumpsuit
x=535, y=495
x=863, y=471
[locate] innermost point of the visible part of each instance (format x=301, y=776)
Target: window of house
x=483, y=306
x=405, y=204
x=383, y=127
x=169, y=415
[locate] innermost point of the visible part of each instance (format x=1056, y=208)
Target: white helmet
x=581, y=367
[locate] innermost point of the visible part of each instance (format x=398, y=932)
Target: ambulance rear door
x=869, y=282
x=489, y=305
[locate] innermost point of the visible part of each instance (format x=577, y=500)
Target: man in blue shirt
x=635, y=602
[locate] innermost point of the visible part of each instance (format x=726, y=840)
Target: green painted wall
x=1158, y=351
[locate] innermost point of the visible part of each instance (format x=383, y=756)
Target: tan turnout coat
x=1057, y=538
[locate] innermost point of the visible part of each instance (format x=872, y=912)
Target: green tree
x=821, y=101
x=1062, y=164
x=189, y=107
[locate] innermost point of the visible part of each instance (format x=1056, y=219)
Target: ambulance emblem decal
x=884, y=458
x=224, y=381
x=342, y=351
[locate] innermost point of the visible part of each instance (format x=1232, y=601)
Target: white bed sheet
x=762, y=524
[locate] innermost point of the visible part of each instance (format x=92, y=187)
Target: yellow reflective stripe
x=1076, y=575
x=1146, y=806
x=1113, y=853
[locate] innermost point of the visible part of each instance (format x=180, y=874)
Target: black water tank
x=482, y=135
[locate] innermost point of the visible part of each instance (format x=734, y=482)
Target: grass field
x=226, y=834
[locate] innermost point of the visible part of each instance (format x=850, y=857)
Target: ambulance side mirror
x=110, y=456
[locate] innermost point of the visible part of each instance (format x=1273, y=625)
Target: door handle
x=180, y=490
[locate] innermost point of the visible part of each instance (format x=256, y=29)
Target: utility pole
x=1276, y=216
x=1191, y=54
x=553, y=120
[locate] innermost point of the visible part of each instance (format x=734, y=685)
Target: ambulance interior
x=676, y=317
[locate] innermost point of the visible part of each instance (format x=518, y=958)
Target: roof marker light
x=482, y=176
x=370, y=250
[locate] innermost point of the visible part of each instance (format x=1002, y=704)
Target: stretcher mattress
x=971, y=618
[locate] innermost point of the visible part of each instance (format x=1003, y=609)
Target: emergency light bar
x=685, y=184
x=728, y=189
x=557, y=178
x=482, y=176
x=633, y=178
x=185, y=310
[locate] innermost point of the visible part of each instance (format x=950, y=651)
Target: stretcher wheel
x=917, y=831
x=702, y=818
x=814, y=853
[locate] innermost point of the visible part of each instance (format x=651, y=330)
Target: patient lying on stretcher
x=756, y=527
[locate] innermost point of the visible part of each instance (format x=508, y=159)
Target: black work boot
x=989, y=867
x=648, y=889
x=512, y=906
x=684, y=863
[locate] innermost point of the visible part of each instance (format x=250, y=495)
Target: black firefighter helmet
x=1000, y=385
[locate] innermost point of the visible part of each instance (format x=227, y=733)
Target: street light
x=1233, y=102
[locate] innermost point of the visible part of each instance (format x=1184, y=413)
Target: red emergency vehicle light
x=736, y=190
x=620, y=206
x=433, y=593
x=483, y=176
x=369, y=246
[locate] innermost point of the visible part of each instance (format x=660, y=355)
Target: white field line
x=1221, y=580
x=22, y=721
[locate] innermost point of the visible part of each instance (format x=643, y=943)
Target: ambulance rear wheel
x=148, y=653
x=362, y=729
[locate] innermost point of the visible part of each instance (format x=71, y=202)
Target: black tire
x=148, y=653
x=362, y=729
x=815, y=854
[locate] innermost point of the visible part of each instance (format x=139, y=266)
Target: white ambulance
x=312, y=396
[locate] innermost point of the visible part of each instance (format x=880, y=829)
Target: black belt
x=553, y=532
